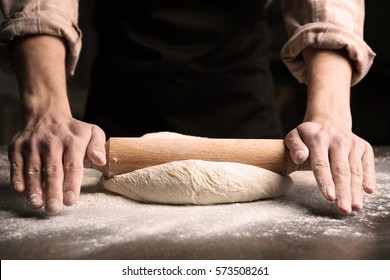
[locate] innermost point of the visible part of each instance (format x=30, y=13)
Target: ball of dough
x=199, y=182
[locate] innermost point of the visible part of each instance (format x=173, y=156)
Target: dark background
x=370, y=98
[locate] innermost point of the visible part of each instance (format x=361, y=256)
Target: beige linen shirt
x=324, y=24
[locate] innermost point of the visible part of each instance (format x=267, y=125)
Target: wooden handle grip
x=128, y=154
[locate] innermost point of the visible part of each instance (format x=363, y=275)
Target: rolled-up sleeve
x=325, y=24
x=51, y=17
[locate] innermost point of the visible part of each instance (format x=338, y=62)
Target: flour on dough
x=199, y=182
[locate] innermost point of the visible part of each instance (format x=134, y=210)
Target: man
x=193, y=67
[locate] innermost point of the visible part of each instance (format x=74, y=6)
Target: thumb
x=96, y=150
x=299, y=152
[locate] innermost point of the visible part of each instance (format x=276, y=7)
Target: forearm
x=46, y=155
x=43, y=17
x=342, y=162
x=325, y=24
x=40, y=69
x=329, y=76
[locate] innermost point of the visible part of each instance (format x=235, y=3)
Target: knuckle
x=358, y=145
x=69, y=141
x=289, y=139
x=98, y=129
x=340, y=141
x=368, y=148
x=341, y=170
x=48, y=142
x=320, y=138
x=72, y=166
x=356, y=169
x=320, y=164
x=53, y=170
x=33, y=172
x=16, y=166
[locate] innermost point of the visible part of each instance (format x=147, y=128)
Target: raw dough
x=198, y=182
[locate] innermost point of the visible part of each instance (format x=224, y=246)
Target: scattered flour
x=106, y=225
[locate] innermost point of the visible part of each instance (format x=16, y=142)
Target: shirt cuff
x=18, y=24
x=326, y=36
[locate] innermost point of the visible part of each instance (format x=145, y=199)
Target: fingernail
x=69, y=198
x=18, y=187
x=35, y=201
x=368, y=187
x=53, y=206
x=344, y=206
x=99, y=155
x=300, y=155
x=357, y=206
x=331, y=193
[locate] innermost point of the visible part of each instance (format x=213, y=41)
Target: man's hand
x=46, y=156
x=46, y=159
x=342, y=163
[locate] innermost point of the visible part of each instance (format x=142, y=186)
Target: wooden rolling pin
x=128, y=154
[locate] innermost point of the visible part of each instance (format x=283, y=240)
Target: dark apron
x=195, y=67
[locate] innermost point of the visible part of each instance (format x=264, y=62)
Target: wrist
x=45, y=102
x=334, y=119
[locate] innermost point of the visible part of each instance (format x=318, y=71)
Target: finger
x=16, y=170
x=96, y=148
x=298, y=150
x=356, y=170
x=73, y=175
x=368, y=162
x=54, y=175
x=33, y=180
x=341, y=174
x=320, y=165
x=322, y=173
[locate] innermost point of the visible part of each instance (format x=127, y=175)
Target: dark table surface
x=300, y=225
